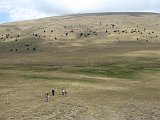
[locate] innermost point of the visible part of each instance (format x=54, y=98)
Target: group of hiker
x=64, y=93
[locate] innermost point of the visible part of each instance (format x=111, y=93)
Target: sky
x=17, y=10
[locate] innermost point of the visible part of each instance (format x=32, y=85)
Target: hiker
x=47, y=97
x=53, y=92
x=63, y=91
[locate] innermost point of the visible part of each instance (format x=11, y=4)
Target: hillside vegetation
x=109, y=64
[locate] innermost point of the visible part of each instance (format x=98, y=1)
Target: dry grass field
x=109, y=64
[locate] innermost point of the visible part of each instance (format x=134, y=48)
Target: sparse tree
x=81, y=34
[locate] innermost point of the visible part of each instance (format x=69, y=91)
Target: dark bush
x=81, y=34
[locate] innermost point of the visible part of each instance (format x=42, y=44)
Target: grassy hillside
x=109, y=63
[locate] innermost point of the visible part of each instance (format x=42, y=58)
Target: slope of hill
x=109, y=63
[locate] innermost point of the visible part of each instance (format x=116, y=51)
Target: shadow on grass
x=61, y=79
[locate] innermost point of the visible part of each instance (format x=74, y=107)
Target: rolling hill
x=109, y=64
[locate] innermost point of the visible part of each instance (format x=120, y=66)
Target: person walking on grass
x=47, y=97
x=64, y=93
